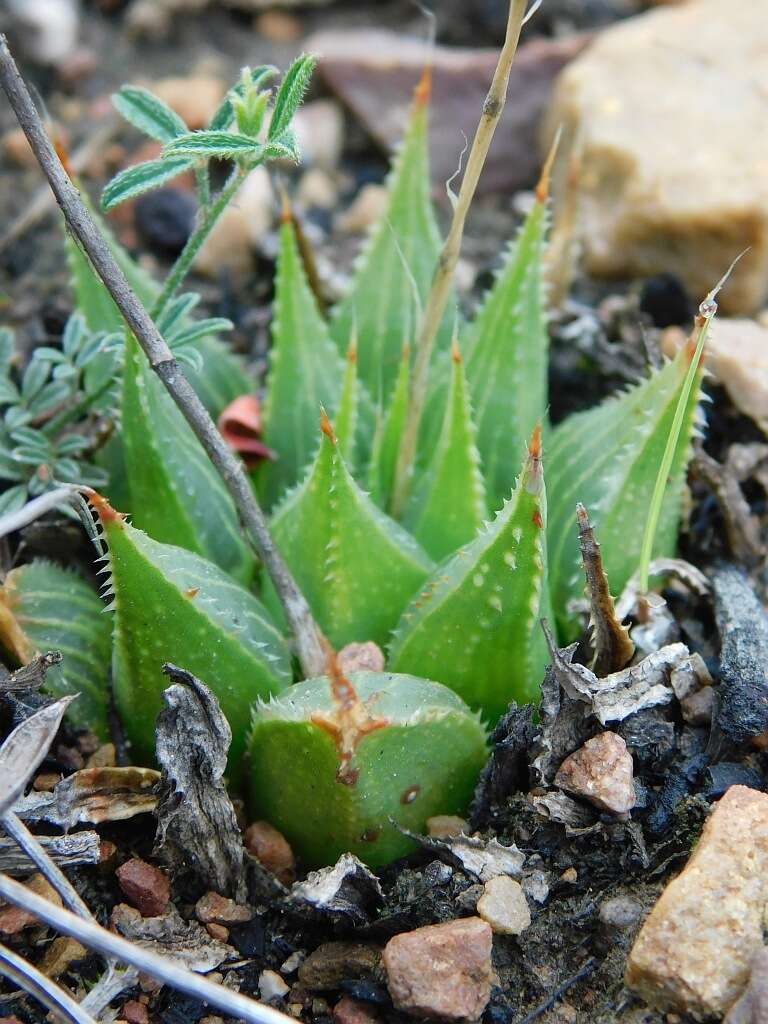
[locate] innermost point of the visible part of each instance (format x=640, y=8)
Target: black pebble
x=366, y=991
x=165, y=219
x=664, y=299
x=248, y=939
x=178, y=1008
x=722, y=776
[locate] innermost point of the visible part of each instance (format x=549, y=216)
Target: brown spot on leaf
x=410, y=794
x=536, y=519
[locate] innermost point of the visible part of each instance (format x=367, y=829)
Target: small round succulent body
x=337, y=763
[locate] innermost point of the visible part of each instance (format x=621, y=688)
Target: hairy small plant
x=432, y=512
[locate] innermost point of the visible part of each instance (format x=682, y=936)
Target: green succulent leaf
x=421, y=756
x=474, y=625
x=394, y=271
x=389, y=430
x=208, y=145
x=172, y=605
x=286, y=147
x=305, y=373
x=506, y=351
x=607, y=458
x=176, y=494
x=148, y=113
x=140, y=178
x=447, y=507
x=45, y=608
x=345, y=421
x=290, y=94
x=356, y=566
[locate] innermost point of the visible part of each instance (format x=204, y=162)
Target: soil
x=568, y=965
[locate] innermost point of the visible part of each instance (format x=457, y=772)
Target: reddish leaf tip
x=423, y=90
x=325, y=426
x=104, y=510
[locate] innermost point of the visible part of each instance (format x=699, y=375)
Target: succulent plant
x=451, y=582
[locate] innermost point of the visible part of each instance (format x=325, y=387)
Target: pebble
x=16, y=149
x=695, y=950
x=241, y=227
x=319, y=128
x=104, y=756
x=278, y=27
x=368, y=206
x=215, y=909
x=442, y=970
x=218, y=932
x=737, y=355
x=504, y=906
x=46, y=781
x=446, y=826
x=145, y=886
x=361, y=657
x=135, y=1012
x=61, y=953
x=14, y=920
x=619, y=913
x=334, y=962
x=651, y=208
x=272, y=986
x=601, y=772
x=48, y=29
x=165, y=219
x=698, y=707
x=271, y=849
x=752, y=1005
x=352, y=1011
x=317, y=190
x=195, y=99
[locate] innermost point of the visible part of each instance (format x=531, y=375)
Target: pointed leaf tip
x=325, y=426
x=423, y=91
x=542, y=188
x=103, y=509
x=455, y=353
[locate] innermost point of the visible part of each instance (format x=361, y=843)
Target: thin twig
x=25, y=976
x=443, y=278
x=169, y=973
x=310, y=643
x=559, y=992
x=45, y=864
x=12, y=521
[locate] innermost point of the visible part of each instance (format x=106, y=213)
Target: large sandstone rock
x=669, y=110
x=694, y=952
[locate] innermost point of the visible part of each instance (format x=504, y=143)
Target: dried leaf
x=73, y=850
x=25, y=748
x=186, y=942
x=612, y=646
x=485, y=859
x=93, y=795
x=197, y=831
x=348, y=891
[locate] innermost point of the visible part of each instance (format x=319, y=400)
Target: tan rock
x=218, y=931
x=17, y=150
x=698, y=707
x=352, y=1011
x=61, y=953
x=271, y=849
x=319, y=128
x=135, y=1012
x=104, y=757
x=244, y=223
x=504, y=906
x=737, y=355
x=694, y=951
x=14, y=919
x=334, y=962
x=272, y=986
x=317, y=189
x=366, y=209
x=670, y=181
x=278, y=26
x=442, y=971
x=601, y=772
x=752, y=1006
x=215, y=909
x=365, y=657
x=195, y=99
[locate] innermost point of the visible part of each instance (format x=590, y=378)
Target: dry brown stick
x=446, y=265
x=310, y=643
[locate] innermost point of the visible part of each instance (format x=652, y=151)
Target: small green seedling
x=337, y=764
